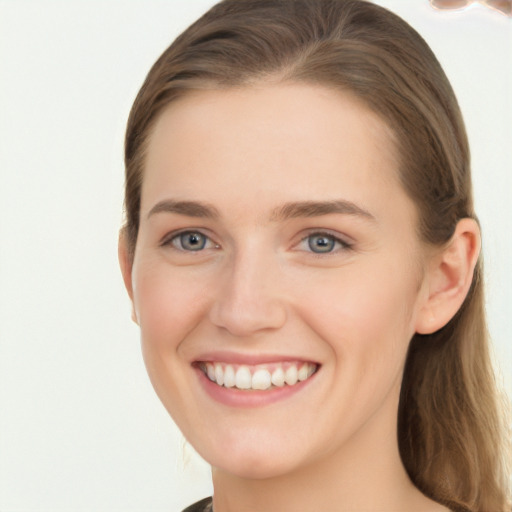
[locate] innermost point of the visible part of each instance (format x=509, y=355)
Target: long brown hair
x=450, y=431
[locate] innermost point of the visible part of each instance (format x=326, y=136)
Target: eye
x=323, y=243
x=190, y=241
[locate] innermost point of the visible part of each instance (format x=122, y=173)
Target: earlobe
x=449, y=277
x=126, y=263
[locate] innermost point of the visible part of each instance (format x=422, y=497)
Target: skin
x=258, y=288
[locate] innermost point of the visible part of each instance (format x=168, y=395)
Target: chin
x=254, y=468
x=256, y=460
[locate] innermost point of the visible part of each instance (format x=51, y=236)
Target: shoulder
x=204, y=505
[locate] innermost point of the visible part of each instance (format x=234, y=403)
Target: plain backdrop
x=80, y=426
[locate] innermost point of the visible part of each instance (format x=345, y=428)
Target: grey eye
x=192, y=241
x=321, y=243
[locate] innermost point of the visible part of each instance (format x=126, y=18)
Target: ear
x=126, y=264
x=449, y=277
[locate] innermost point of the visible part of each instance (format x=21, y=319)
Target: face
x=277, y=277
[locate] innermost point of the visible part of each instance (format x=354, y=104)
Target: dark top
x=205, y=505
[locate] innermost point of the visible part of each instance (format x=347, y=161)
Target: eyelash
x=176, y=238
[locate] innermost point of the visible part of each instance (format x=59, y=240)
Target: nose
x=249, y=299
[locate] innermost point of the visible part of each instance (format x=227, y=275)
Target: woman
x=302, y=256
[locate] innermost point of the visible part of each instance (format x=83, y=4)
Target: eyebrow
x=318, y=208
x=287, y=211
x=188, y=208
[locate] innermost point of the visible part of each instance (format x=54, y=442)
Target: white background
x=80, y=426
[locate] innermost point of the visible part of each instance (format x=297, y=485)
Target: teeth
x=219, y=374
x=263, y=378
x=302, y=374
x=278, y=377
x=210, y=372
x=243, y=378
x=229, y=376
x=290, y=376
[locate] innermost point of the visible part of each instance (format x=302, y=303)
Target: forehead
x=295, y=140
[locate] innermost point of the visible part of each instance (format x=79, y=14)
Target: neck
x=365, y=474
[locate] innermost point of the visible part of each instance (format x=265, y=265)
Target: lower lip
x=234, y=397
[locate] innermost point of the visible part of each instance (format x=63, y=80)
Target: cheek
x=365, y=313
x=364, y=316
x=168, y=304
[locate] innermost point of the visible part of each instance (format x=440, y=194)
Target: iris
x=321, y=243
x=192, y=241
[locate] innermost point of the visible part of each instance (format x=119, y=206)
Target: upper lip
x=248, y=359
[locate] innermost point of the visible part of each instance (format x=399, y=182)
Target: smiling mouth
x=258, y=377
